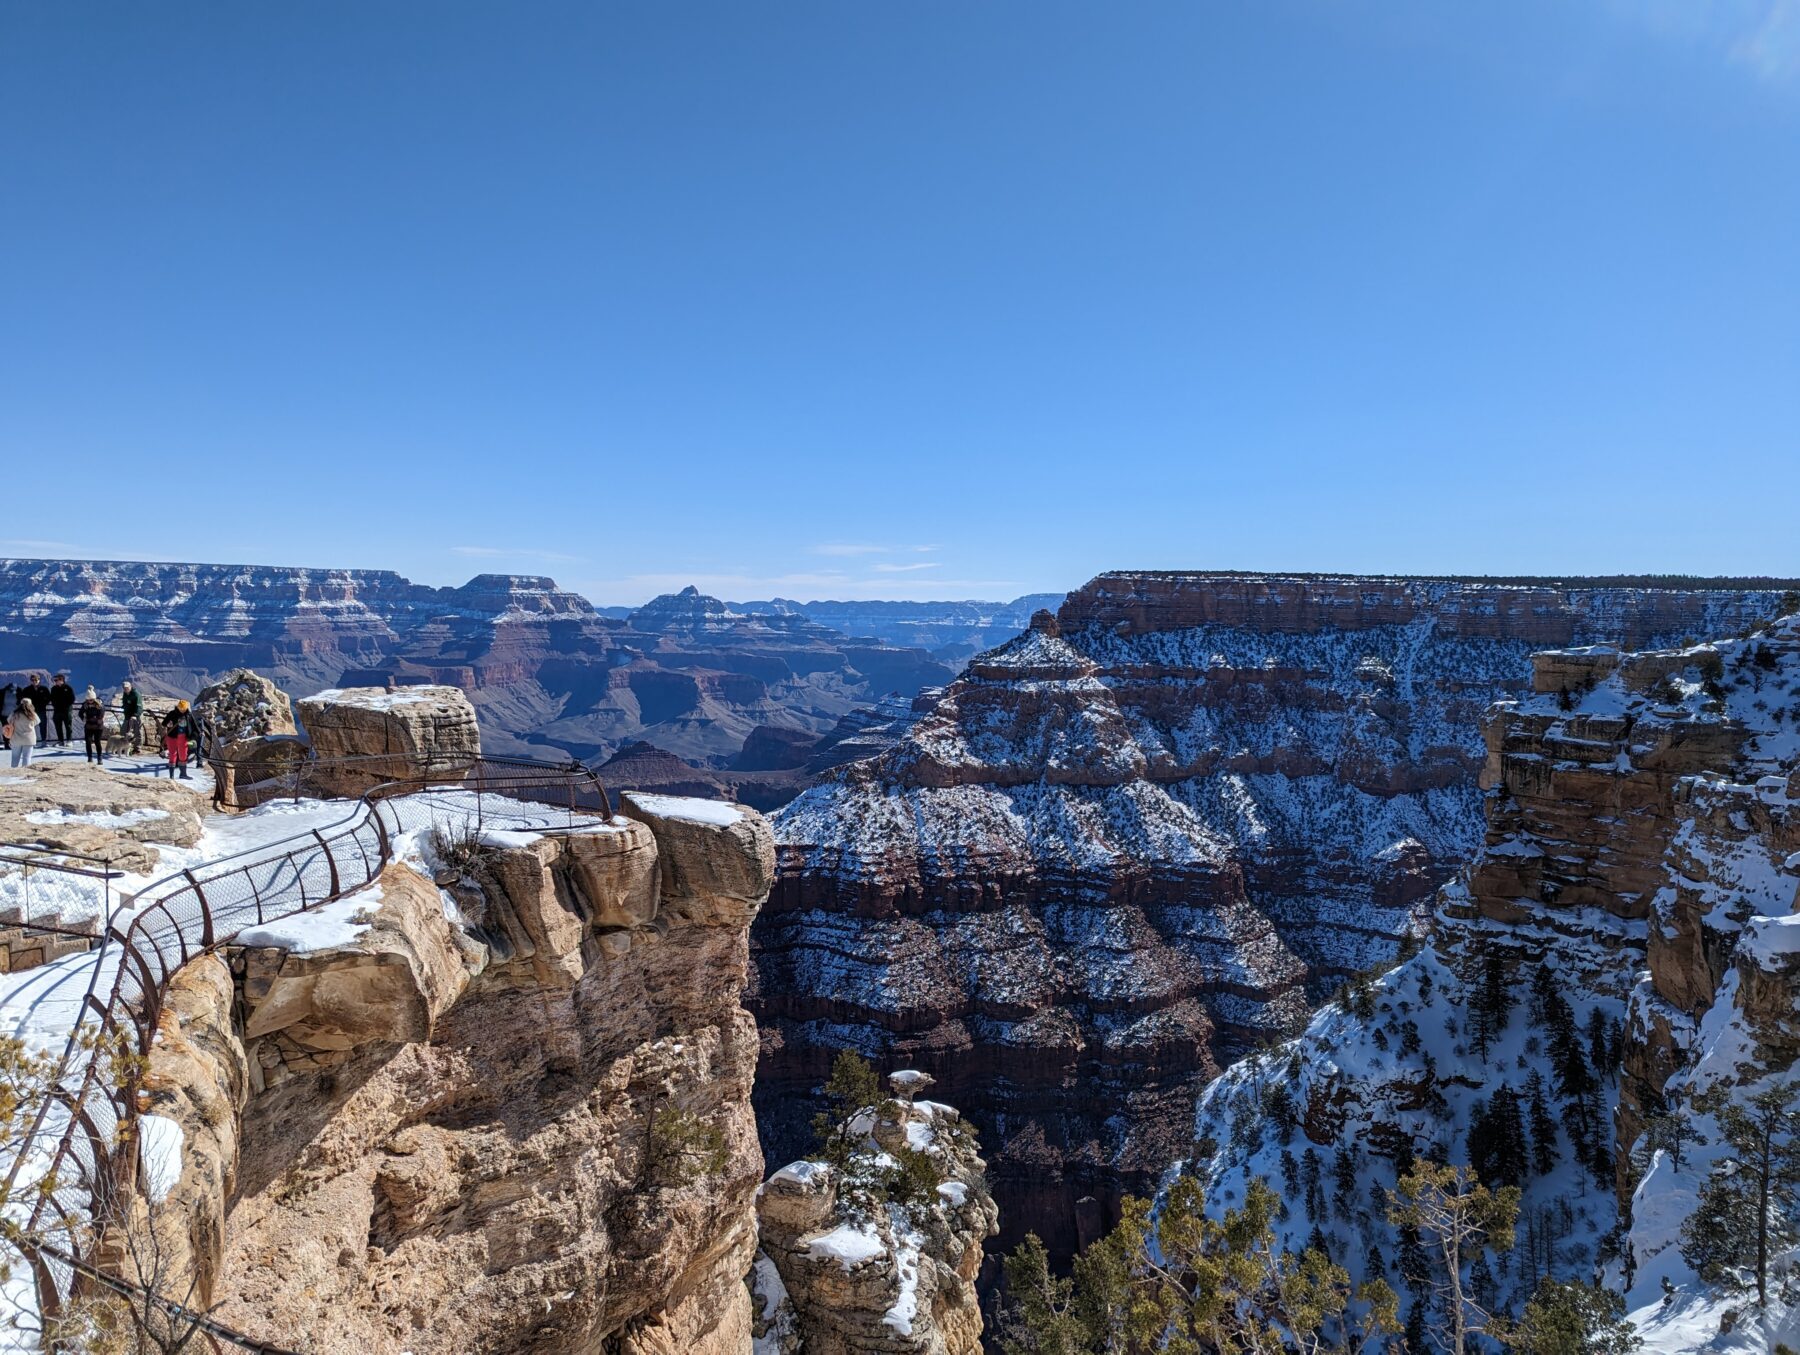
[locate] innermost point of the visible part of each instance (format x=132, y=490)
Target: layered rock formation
x=1145, y=836
x=365, y=736
x=544, y=667
x=842, y=1274
x=497, y=1102
x=1625, y=939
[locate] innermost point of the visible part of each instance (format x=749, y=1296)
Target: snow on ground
x=849, y=1244
x=276, y=847
x=329, y=927
x=99, y=818
x=715, y=813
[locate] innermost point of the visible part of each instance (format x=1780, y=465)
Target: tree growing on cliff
x=1749, y=1207
x=684, y=1148
x=1459, y=1220
x=1180, y=1283
x=851, y=1089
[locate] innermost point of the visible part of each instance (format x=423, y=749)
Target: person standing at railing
x=62, y=705
x=6, y=705
x=22, y=732
x=39, y=695
x=177, y=730
x=131, y=715
x=93, y=727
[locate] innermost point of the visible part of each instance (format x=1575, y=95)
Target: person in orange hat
x=178, y=729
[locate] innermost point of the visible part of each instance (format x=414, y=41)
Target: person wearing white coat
x=24, y=732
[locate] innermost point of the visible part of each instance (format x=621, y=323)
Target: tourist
x=6, y=703
x=21, y=732
x=62, y=705
x=131, y=716
x=177, y=729
x=39, y=695
x=93, y=727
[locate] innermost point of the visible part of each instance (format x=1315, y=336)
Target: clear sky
x=934, y=298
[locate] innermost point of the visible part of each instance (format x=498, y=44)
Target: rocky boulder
x=846, y=1270
x=365, y=736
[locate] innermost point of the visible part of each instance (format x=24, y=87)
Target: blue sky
x=928, y=299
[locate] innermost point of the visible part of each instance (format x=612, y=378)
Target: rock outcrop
x=841, y=1273
x=1147, y=835
x=497, y=1102
x=366, y=736
x=1625, y=940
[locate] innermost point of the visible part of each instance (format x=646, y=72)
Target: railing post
x=330, y=860
x=206, y=920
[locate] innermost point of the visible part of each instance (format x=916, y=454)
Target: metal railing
x=193, y=911
x=66, y=884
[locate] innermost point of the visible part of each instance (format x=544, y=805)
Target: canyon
x=1144, y=838
x=548, y=672
x=1621, y=949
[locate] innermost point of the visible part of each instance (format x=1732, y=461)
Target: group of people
x=32, y=713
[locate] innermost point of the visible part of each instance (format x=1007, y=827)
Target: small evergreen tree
x=1750, y=1205
x=1572, y=1319
x=1544, y=1150
x=851, y=1089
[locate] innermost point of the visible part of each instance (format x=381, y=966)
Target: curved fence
x=188, y=913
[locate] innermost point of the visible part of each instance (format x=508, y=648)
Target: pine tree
x=1417, y=1343
x=1309, y=1177
x=1749, y=1207
x=1599, y=1051
x=1343, y=1173
x=851, y=1089
x=1458, y=1220
x=1573, y=1319
x=1491, y=1002
x=1544, y=1151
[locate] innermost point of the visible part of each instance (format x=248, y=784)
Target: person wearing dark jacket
x=39, y=695
x=178, y=728
x=62, y=705
x=93, y=727
x=7, y=704
x=131, y=716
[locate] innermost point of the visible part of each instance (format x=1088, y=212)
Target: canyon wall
x=499, y=1102
x=545, y=668
x=1624, y=940
x=1143, y=838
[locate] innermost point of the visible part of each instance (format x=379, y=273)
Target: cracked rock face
x=391, y=733
x=1142, y=837
x=440, y=1133
x=836, y=1277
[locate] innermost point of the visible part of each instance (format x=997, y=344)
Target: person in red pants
x=178, y=729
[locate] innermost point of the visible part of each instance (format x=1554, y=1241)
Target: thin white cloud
x=514, y=553
x=849, y=549
x=1760, y=35
x=885, y=568
x=806, y=586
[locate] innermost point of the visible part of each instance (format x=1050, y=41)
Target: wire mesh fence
x=68, y=1152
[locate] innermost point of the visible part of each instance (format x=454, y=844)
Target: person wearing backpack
x=93, y=727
